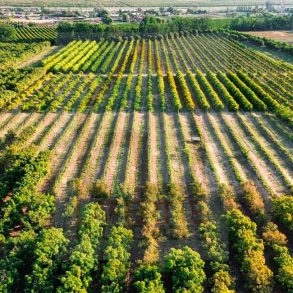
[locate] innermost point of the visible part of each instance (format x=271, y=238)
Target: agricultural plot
x=12, y=54
x=283, y=36
x=137, y=147
x=35, y=33
x=200, y=72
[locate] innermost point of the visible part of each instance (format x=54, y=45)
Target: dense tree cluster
x=84, y=259
x=249, y=251
x=14, y=84
x=262, y=23
x=277, y=241
x=12, y=53
x=21, y=171
x=117, y=262
x=7, y=32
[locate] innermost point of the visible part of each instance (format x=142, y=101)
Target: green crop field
x=158, y=164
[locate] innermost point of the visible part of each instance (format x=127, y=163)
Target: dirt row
x=111, y=146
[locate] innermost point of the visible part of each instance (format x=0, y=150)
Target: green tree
x=50, y=247
x=185, y=267
x=7, y=32
x=283, y=210
x=148, y=279
x=106, y=19
x=249, y=251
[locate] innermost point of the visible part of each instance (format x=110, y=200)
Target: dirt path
x=217, y=155
x=73, y=164
x=61, y=148
x=134, y=151
x=266, y=172
x=284, y=141
x=54, y=131
x=4, y=117
x=46, y=122
x=270, y=145
x=284, y=36
x=110, y=168
x=200, y=169
x=268, y=154
x=15, y=123
x=35, y=60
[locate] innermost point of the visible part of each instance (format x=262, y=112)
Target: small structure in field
x=195, y=139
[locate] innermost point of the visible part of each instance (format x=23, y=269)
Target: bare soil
x=283, y=36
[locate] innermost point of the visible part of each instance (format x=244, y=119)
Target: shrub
x=185, y=267
x=253, y=200
x=49, y=249
x=100, y=189
x=228, y=197
x=221, y=282
x=283, y=260
x=148, y=279
x=283, y=210
x=249, y=251
x=116, y=260
x=83, y=258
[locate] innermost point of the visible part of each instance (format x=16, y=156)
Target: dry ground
x=283, y=36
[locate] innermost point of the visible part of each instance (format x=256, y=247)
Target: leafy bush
x=221, y=282
x=150, y=215
x=250, y=95
x=222, y=91
x=50, y=248
x=16, y=254
x=185, y=267
x=249, y=251
x=117, y=263
x=284, y=261
x=283, y=210
x=217, y=255
x=22, y=171
x=199, y=95
x=253, y=200
x=83, y=259
x=235, y=92
x=148, y=279
x=100, y=190
x=209, y=91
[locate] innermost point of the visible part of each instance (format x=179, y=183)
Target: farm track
x=277, y=150
x=109, y=168
x=13, y=122
x=271, y=178
x=61, y=148
x=133, y=151
x=72, y=166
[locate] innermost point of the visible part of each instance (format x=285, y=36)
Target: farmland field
x=283, y=36
x=138, y=146
x=34, y=34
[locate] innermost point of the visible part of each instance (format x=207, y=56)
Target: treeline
x=153, y=26
x=86, y=31
x=263, y=23
x=149, y=27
